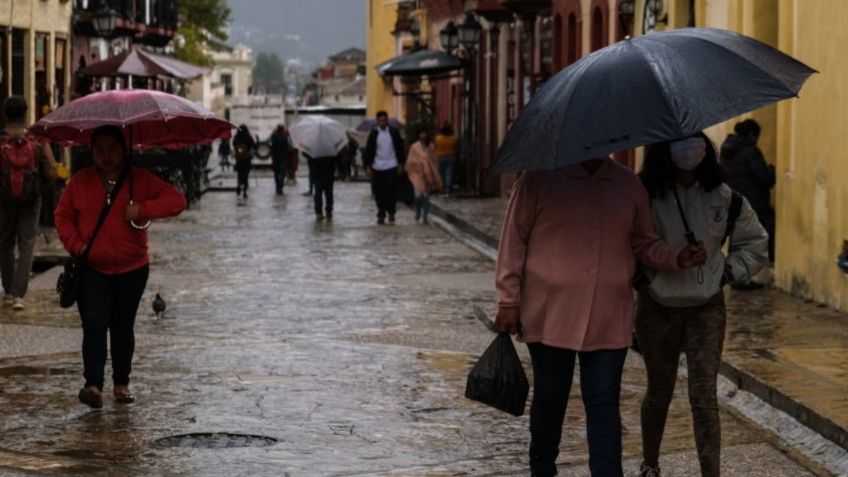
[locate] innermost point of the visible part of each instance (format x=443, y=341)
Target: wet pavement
x=347, y=342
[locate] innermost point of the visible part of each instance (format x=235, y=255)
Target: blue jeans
x=422, y=206
x=600, y=385
x=447, y=166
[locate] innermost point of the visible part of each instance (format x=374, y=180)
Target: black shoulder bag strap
x=104, y=212
x=732, y=215
x=690, y=236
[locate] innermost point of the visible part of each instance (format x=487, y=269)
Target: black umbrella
x=653, y=88
x=421, y=63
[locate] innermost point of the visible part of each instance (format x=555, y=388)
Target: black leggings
x=109, y=303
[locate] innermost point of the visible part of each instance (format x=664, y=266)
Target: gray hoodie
x=707, y=215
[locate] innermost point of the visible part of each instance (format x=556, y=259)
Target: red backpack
x=18, y=172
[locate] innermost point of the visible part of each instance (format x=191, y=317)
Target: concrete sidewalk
x=790, y=353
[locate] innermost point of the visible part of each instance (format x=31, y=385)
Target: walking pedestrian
x=293, y=162
x=25, y=169
x=323, y=172
x=423, y=174
x=684, y=310
x=280, y=152
x=244, y=146
x=749, y=174
x=446, y=150
x=384, y=163
x=117, y=264
x=350, y=154
x=568, y=253
x=310, y=173
x=224, y=151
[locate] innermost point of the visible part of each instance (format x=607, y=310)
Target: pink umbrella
x=150, y=119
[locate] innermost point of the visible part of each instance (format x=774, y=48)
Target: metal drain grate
x=215, y=440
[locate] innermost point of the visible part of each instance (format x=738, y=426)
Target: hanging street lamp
x=469, y=32
x=449, y=36
x=103, y=20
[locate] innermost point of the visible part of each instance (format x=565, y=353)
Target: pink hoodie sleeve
x=647, y=245
x=512, y=253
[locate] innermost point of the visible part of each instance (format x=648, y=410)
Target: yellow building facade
x=35, y=52
x=381, y=47
x=805, y=138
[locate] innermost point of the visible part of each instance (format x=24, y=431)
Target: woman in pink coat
x=421, y=169
x=564, y=275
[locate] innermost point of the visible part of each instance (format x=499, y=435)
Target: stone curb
x=820, y=424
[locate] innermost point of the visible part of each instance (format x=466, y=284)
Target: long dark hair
x=659, y=175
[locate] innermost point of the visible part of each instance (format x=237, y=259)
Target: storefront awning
x=424, y=62
x=137, y=62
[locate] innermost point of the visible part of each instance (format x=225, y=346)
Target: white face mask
x=688, y=153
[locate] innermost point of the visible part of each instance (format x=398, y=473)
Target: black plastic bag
x=498, y=378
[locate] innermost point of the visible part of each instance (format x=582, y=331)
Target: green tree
x=204, y=26
x=268, y=73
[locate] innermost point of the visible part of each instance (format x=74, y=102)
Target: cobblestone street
x=347, y=342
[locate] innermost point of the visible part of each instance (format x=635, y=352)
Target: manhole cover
x=215, y=440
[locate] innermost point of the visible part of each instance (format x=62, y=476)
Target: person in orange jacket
x=117, y=265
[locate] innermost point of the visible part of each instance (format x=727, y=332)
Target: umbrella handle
x=140, y=227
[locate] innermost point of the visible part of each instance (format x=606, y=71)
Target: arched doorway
x=567, y=31
x=573, y=44
x=599, y=34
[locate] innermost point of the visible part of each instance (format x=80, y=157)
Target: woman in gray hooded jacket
x=684, y=311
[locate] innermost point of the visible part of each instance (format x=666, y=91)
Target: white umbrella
x=319, y=136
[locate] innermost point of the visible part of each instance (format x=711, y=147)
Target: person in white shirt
x=684, y=311
x=384, y=160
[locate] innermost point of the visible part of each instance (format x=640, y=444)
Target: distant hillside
x=310, y=30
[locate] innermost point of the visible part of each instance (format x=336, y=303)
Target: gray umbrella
x=653, y=88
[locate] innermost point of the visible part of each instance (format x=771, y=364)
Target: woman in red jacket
x=117, y=262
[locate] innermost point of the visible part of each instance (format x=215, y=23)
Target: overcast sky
x=307, y=29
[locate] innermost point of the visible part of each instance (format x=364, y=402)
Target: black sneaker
x=381, y=221
x=329, y=216
x=392, y=218
x=319, y=217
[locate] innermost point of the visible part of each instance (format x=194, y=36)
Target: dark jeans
x=447, y=166
x=600, y=385
x=279, y=165
x=109, y=303
x=384, y=185
x=766, y=218
x=324, y=190
x=663, y=333
x=243, y=180
x=18, y=229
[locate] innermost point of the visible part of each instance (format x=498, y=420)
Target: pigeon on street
x=159, y=306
